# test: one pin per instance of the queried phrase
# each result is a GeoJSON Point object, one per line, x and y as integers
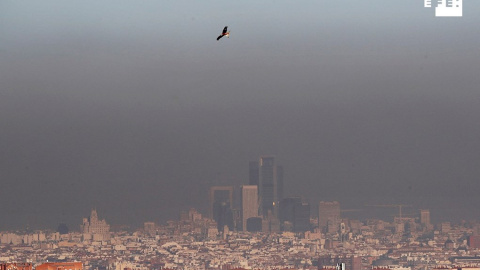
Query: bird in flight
{"type": "Point", "coordinates": [224, 33]}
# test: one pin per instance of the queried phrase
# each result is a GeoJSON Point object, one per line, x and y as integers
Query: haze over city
{"type": "Point", "coordinates": [133, 107]}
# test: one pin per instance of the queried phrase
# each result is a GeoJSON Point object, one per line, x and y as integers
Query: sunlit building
{"type": "Point", "coordinates": [60, 266]}
{"type": "Point", "coordinates": [94, 228]}
{"type": "Point", "coordinates": [249, 197]}
{"type": "Point", "coordinates": [15, 266]}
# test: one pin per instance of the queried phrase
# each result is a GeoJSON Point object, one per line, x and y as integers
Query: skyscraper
{"type": "Point", "coordinates": [302, 217]}
{"type": "Point", "coordinates": [249, 195]}
{"type": "Point", "coordinates": [279, 183]}
{"type": "Point", "coordinates": [220, 206]}
{"type": "Point", "coordinates": [328, 214]}
{"type": "Point", "coordinates": [219, 194]}
{"type": "Point", "coordinates": [286, 211]}
{"type": "Point", "coordinates": [267, 184]}
{"type": "Point", "coordinates": [253, 173]}
{"type": "Point", "coordinates": [294, 214]}
{"type": "Point", "coordinates": [270, 184]}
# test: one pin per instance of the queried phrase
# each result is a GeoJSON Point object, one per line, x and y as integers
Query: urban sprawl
{"type": "Point", "coordinates": [258, 229]}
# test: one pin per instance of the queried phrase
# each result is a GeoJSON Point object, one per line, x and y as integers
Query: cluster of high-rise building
{"type": "Point", "coordinates": [260, 205]}
{"type": "Point", "coordinates": [253, 226]}
{"type": "Point", "coordinates": [193, 242]}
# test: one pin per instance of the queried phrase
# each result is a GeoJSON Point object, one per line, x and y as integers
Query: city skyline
{"type": "Point", "coordinates": [193, 242]}
{"type": "Point", "coordinates": [329, 211]}
{"type": "Point", "coordinates": [295, 216]}
{"type": "Point", "coordinates": [228, 199]}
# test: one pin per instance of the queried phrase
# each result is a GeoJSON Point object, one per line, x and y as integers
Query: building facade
{"type": "Point", "coordinates": [94, 228]}
{"type": "Point", "coordinates": [294, 215]}
{"type": "Point", "coordinates": [220, 206]}
{"type": "Point", "coordinates": [425, 218]}
{"type": "Point", "coordinates": [15, 266]}
{"type": "Point", "coordinates": [328, 215]}
{"type": "Point", "coordinates": [60, 266]}
{"type": "Point", "coordinates": [270, 184]}
{"type": "Point", "coordinates": [253, 173]}
{"type": "Point", "coordinates": [249, 198]}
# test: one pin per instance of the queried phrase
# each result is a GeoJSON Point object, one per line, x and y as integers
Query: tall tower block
{"type": "Point", "coordinates": [249, 209]}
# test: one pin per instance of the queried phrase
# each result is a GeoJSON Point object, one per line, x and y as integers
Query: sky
{"type": "Point", "coordinates": [134, 108]}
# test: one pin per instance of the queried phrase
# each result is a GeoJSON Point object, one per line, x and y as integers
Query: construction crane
{"type": "Point", "coordinates": [400, 206]}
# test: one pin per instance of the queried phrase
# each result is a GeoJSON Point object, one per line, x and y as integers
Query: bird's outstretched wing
{"type": "Point", "coordinates": [224, 30]}
{"type": "Point", "coordinates": [219, 37]}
